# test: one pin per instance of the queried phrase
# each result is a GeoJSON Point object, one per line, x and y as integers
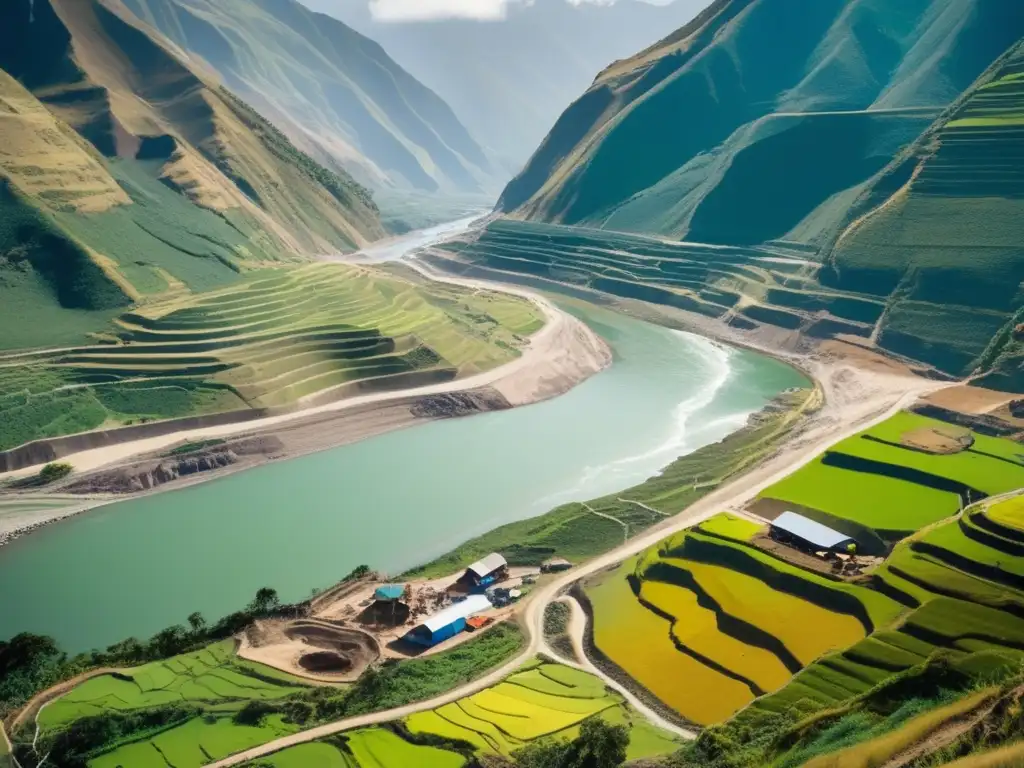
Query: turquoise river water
{"type": "Point", "coordinates": [392, 501]}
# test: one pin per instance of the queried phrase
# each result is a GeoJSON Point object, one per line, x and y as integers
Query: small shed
{"type": "Point", "coordinates": [389, 593]}
{"type": "Point", "coordinates": [449, 622]}
{"type": "Point", "coordinates": [555, 565]}
{"type": "Point", "coordinates": [809, 535]}
{"type": "Point", "coordinates": [485, 571]}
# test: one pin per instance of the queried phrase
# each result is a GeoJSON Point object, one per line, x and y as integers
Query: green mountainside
{"type": "Point", "coordinates": [155, 234]}
{"type": "Point", "coordinates": [335, 93]}
{"type": "Point", "coordinates": [864, 155]}
{"type": "Point", "coordinates": [654, 142]}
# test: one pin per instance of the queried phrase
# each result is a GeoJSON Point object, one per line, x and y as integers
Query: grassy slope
{"type": "Point", "coordinates": [949, 235]}
{"type": "Point", "coordinates": [726, 66]}
{"type": "Point", "coordinates": [826, 124]}
{"type": "Point", "coordinates": [272, 338]}
{"type": "Point", "coordinates": [355, 105]}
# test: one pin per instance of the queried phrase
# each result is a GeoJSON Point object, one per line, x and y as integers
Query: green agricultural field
{"type": "Point", "coordinates": [315, 755]}
{"type": "Point", "coordinates": [731, 527]}
{"type": "Point", "coordinates": [210, 677]}
{"type": "Point", "coordinates": [991, 465]}
{"type": "Point", "coordinates": [887, 505]}
{"type": "Point", "coordinates": [186, 710]}
{"type": "Point", "coordinates": [545, 701]}
{"type": "Point", "coordinates": [1009, 513]}
{"type": "Point", "coordinates": [717, 622]}
{"type": "Point", "coordinates": [276, 337]}
{"type": "Point", "coordinates": [194, 744]}
{"type": "Point", "coordinates": [380, 748]}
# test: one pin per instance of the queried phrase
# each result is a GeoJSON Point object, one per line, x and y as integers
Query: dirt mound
{"type": "Point", "coordinates": [940, 440]}
{"type": "Point", "coordinates": [311, 648]}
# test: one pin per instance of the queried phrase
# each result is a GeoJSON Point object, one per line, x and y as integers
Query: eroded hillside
{"type": "Point", "coordinates": [335, 93]}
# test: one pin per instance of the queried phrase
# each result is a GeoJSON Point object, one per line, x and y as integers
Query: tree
{"type": "Point", "coordinates": [599, 745]}
{"type": "Point", "coordinates": [197, 622]}
{"type": "Point", "coordinates": [265, 601]}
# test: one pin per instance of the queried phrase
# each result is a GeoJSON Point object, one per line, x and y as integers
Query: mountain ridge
{"type": "Point", "coordinates": [335, 93]}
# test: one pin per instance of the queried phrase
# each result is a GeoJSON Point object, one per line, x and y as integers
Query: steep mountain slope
{"type": "Point", "coordinates": [125, 175]}
{"type": "Point", "coordinates": [508, 81]}
{"type": "Point", "coordinates": [753, 98]}
{"type": "Point", "coordinates": [95, 67]}
{"type": "Point", "coordinates": [335, 93]}
{"type": "Point", "coordinates": [939, 235]}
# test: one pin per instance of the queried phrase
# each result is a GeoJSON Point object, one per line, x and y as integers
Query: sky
{"type": "Point", "coordinates": [484, 10]}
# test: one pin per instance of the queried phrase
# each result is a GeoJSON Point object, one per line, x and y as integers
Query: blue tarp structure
{"type": "Point", "coordinates": [449, 622]}
{"type": "Point", "coordinates": [389, 592]}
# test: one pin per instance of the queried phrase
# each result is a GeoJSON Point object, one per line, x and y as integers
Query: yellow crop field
{"type": "Point", "coordinates": [638, 641]}
{"type": "Point", "coordinates": [731, 527]}
{"type": "Point", "coordinates": [697, 629]}
{"type": "Point", "coordinates": [1009, 513]}
{"type": "Point", "coordinates": [806, 629]}
{"type": "Point", "coordinates": [544, 701]}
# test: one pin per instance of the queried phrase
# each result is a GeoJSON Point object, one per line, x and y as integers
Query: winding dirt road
{"type": "Point", "coordinates": [855, 399]}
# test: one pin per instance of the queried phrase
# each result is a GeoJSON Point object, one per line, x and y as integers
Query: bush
{"type": "Point", "coordinates": [55, 471]}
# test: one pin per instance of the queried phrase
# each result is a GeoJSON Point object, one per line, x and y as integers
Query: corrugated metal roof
{"type": "Point", "coordinates": [389, 591]}
{"type": "Point", "coordinates": [469, 606]}
{"type": "Point", "coordinates": [487, 565]}
{"type": "Point", "coordinates": [809, 530]}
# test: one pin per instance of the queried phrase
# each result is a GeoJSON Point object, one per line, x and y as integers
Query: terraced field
{"type": "Point", "coordinates": [965, 601]}
{"type": "Point", "coordinates": [200, 695]}
{"type": "Point", "coordinates": [280, 337]}
{"type": "Point", "coordinates": [543, 701]}
{"type": "Point", "coordinates": [882, 480]}
{"type": "Point", "coordinates": [707, 607]}
{"type": "Point", "coordinates": [742, 285]}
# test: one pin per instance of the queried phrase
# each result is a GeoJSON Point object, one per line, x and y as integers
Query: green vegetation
{"type": "Point", "coordinates": [263, 51]}
{"type": "Point", "coordinates": [55, 471]}
{"type": "Point", "coordinates": [32, 663]}
{"type": "Point", "coordinates": [883, 480]}
{"type": "Point", "coordinates": [539, 711]}
{"type": "Point", "coordinates": [192, 447]}
{"type": "Point", "coordinates": [273, 338]}
{"type": "Point", "coordinates": [725, 616]}
{"type": "Point", "coordinates": [890, 506]}
{"type": "Point", "coordinates": [572, 531]}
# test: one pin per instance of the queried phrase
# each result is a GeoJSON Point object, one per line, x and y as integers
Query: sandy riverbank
{"type": "Point", "coordinates": [559, 356]}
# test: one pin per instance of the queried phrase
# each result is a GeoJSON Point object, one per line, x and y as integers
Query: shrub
{"type": "Point", "coordinates": [55, 471]}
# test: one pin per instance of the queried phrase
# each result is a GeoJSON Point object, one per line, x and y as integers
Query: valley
{"type": "Point", "coordinates": [337, 430]}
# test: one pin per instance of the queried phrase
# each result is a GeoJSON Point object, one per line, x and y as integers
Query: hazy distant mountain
{"type": "Point", "coordinates": [335, 93]}
{"type": "Point", "coordinates": [508, 81]}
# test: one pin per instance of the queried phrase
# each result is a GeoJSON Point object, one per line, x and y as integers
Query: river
{"type": "Point", "coordinates": [392, 501]}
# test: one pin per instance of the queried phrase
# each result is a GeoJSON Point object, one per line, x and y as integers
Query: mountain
{"type": "Point", "coordinates": [508, 81]}
{"type": "Point", "coordinates": [939, 234]}
{"type": "Point", "coordinates": [848, 167]}
{"type": "Point", "coordinates": [126, 173]}
{"type": "Point", "coordinates": [335, 93]}
{"type": "Point", "coordinates": [751, 94]}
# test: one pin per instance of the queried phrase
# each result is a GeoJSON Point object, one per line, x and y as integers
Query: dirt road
{"type": "Point", "coordinates": [855, 400]}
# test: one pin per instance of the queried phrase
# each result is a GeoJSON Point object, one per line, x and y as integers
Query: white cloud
{"type": "Point", "coordinates": [417, 10]}
{"type": "Point", "coordinates": [484, 10]}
